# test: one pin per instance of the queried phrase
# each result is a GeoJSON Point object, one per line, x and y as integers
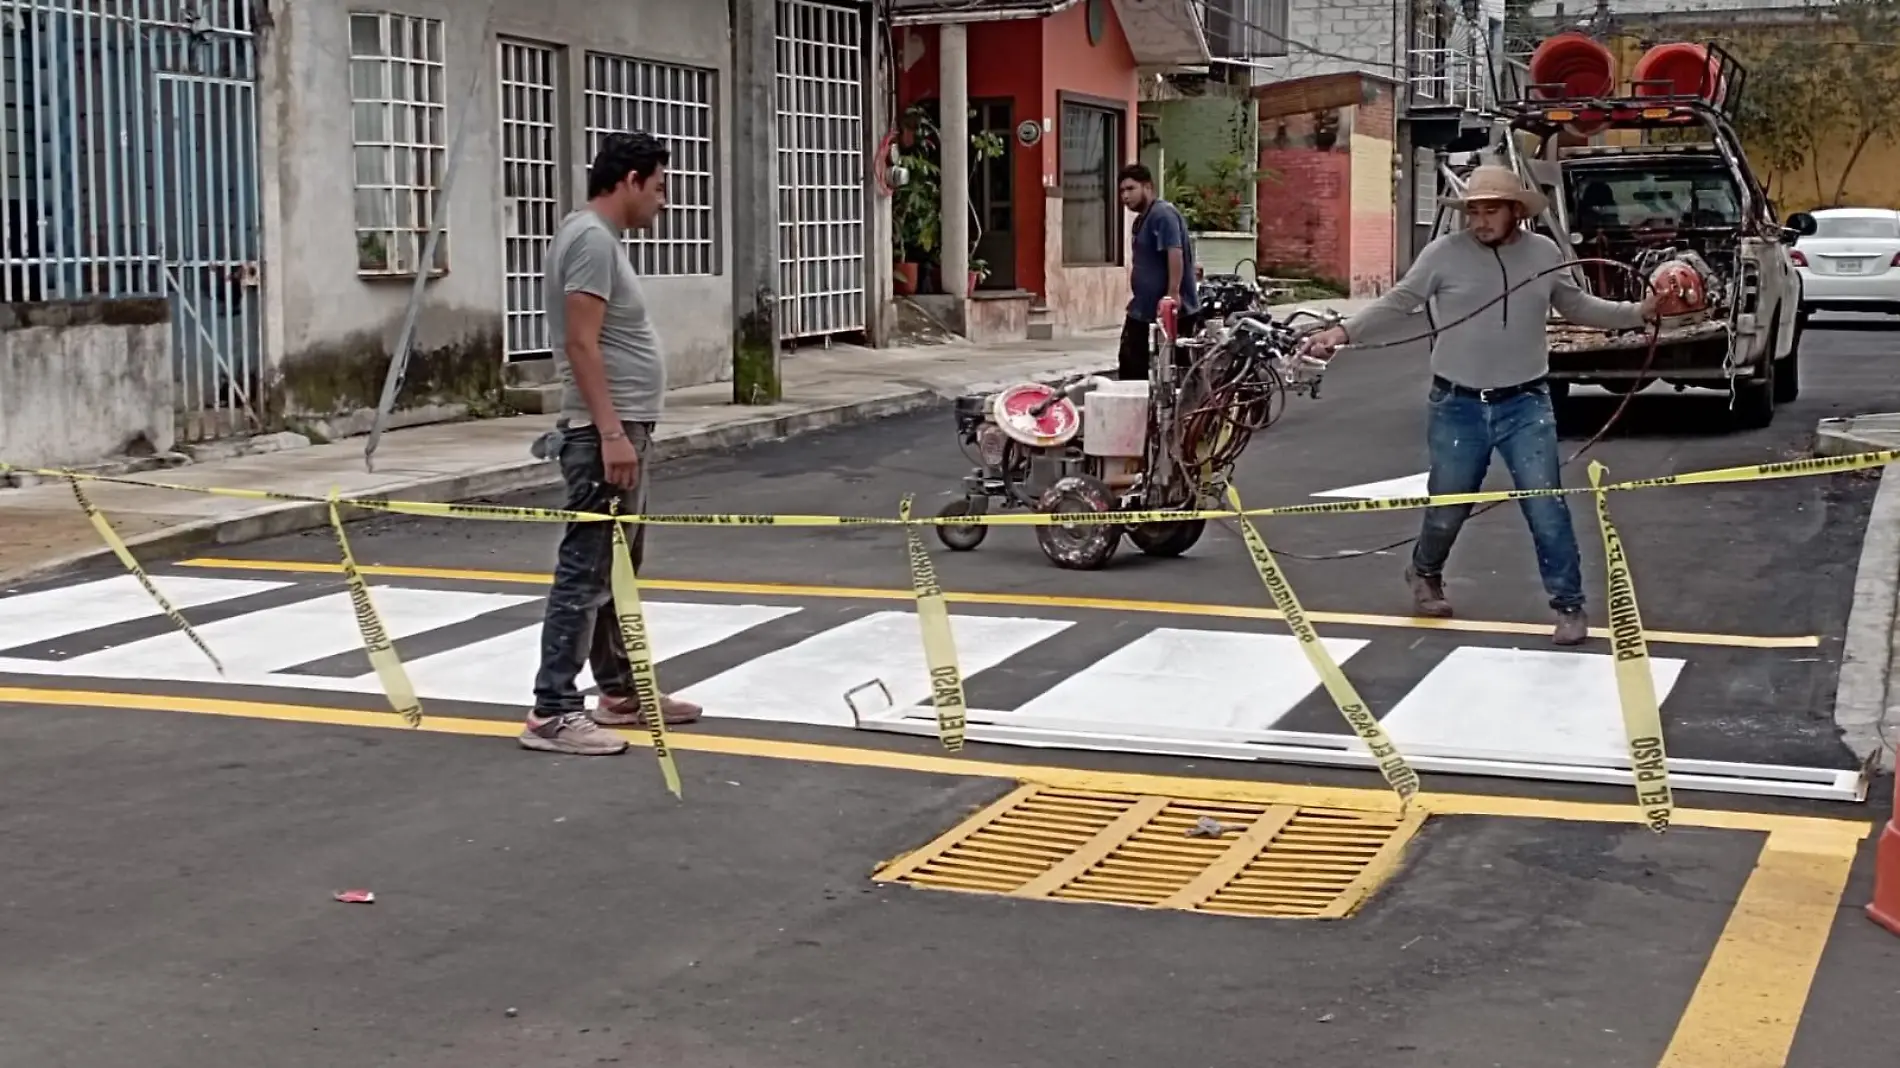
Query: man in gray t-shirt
{"type": "Point", "coordinates": [1492, 285]}
{"type": "Point", "coordinates": [614, 380]}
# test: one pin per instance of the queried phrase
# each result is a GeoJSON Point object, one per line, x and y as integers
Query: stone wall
{"type": "Point", "coordinates": [81, 381]}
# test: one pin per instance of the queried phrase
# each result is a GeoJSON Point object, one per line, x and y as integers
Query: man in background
{"type": "Point", "coordinates": [614, 379]}
{"type": "Point", "coordinates": [1163, 266]}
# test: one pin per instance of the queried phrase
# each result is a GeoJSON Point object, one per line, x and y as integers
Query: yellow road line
{"type": "Point", "coordinates": [1816, 828]}
{"type": "Point", "coordinates": [1754, 989]}
{"type": "Point", "coordinates": [1018, 600]}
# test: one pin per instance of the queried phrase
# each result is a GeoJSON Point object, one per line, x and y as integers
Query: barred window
{"type": "Point", "coordinates": [675, 104]}
{"type": "Point", "coordinates": [401, 138]}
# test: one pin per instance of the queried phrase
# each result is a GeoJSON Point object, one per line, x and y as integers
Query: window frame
{"type": "Point", "coordinates": [1114, 214]}
{"type": "Point", "coordinates": [662, 251]}
{"type": "Point", "coordinates": [424, 102]}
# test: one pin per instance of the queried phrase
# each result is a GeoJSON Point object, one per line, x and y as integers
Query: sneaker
{"type": "Point", "coordinates": [626, 712]}
{"type": "Point", "coordinates": [1573, 627]}
{"type": "Point", "coordinates": [573, 733]}
{"type": "Point", "coordinates": [1428, 595]}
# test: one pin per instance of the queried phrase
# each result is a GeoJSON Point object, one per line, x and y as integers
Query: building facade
{"type": "Point", "coordinates": [282, 173]}
{"type": "Point", "coordinates": [1050, 93]}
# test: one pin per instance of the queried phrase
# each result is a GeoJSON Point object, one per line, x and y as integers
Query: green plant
{"type": "Point", "coordinates": [917, 205]}
{"type": "Point", "coordinates": [1224, 202]}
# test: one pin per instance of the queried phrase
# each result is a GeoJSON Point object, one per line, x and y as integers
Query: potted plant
{"type": "Point", "coordinates": [979, 270]}
{"type": "Point", "coordinates": [917, 205]}
{"type": "Point", "coordinates": [1219, 210]}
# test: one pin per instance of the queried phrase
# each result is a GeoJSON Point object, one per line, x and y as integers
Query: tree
{"type": "Point", "coordinates": [1831, 79]}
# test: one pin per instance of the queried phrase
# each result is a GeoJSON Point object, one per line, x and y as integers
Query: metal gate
{"type": "Point", "coordinates": [129, 129]}
{"type": "Point", "coordinates": [531, 190]}
{"type": "Point", "coordinates": [821, 150]}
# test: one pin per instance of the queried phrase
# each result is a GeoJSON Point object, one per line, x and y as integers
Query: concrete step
{"type": "Point", "coordinates": [1042, 325]}
{"type": "Point", "coordinates": [533, 400]}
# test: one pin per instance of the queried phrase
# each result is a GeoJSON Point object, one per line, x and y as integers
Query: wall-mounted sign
{"type": "Point", "coordinates": [1028, 132]}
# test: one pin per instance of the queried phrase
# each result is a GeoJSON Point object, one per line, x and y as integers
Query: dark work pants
{"type": "Point", "coordinates": [1133, 356]}
{"type": "Point", "coordinates": [580, 627]}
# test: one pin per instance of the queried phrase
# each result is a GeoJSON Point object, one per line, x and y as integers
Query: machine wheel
{"type": "Point", "coordinates": [1167, 539]}
{"type": "Point", "coordinates": [1078, 546]}
{"type": "Point", "coordinates": [962, 537]}
{"type": "Point", "coordinates": [1755, 400]}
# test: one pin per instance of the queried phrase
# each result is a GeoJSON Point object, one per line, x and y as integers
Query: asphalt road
{"type": "Point", "coordinates": [166, 899]}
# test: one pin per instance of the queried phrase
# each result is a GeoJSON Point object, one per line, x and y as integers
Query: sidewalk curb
{"type": "Point", "coordinates": [271, 520]}
{"type": "Point", "coordinates": [1871, 647]}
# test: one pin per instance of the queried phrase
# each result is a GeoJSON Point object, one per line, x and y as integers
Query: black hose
{"type": "Point", "coordinates": [1642, 379]}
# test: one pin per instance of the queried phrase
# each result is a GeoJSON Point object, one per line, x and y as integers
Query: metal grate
{"type": "Point", "coordinates": [531, 189]}
{"type": "Point", "coordinates": [821, 177]}
{"type": "Point", "coordinates": [129, 133]}
{"type": "Point", "coordinates": [400, 108]}
{"type": "Point", "coordinates": [674, 104]}
{"type": "Point", "coordinates": [1221, 857]}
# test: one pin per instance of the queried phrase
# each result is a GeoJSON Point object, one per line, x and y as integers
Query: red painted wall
{"type": "Point", "coordinates": [1028, 62]}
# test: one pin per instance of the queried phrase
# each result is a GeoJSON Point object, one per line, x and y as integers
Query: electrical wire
{"type": "Point", "coordinates": [1642, 379]}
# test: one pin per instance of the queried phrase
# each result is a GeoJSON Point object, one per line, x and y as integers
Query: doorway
{"type": "Point", "coordinates": [993, 195]}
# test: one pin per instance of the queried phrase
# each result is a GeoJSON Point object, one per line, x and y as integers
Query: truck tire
{"type": "Point", "coordinates": [1788, 377]}
{"type": "Point", "coordinates": [1755, 399]}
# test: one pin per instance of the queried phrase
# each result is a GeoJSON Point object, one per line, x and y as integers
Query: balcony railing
{"type": "Point", "coordinates": [1452, 71]}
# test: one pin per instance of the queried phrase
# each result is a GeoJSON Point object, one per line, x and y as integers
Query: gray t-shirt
{"type": "Point", "coordinates": [587, 257]}
{"type": "Point", "coordinates": [1505, 344]}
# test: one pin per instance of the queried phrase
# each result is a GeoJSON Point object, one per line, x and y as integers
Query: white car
{"type": "Point", "coordinates": [1851, 262]}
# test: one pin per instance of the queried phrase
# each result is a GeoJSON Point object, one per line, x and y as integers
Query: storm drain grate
{"type": "Point", "coordinates": [1224, 857]}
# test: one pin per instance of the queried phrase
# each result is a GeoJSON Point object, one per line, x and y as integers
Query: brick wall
{"type": "Point", "coordinates": [1331, 212]}
{"type": "Point", "coordinates": [1302, 215]}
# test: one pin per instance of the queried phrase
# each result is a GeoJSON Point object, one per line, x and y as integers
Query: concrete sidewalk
{"type": "Point", "coordinates": [1867, 700]}
{"type": "Point", "coordinates": [43, 532]}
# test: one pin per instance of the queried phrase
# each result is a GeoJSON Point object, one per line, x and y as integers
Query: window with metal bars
{"type": "Point", "coordinates": [674, 104]}
{"type": "Point", "coordinates": [401, 141]}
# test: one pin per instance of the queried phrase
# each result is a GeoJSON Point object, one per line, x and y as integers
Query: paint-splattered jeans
{"type": "Point", "coordinates": [1462, 433]}
{"type": "Point", "coordinates": [580, 627]}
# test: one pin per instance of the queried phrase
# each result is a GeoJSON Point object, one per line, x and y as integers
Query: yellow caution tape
{"type": "Point", "coordinates": [940, 644]}
{"type": "Point", "coordinates": [124, 553]}
{"type": "Point", "coordinates": [376, 640]}
{"type": "Point", "coordinates": [510, 513]}
{"type": "Point", "coordinates": [1818, 465]}
{"type": "Point", "coordinates": [633, 635]}
{"type": "Point", "coordinates": [1392, 764]}
{"type": "Point", "coordinates": [1635, 686]}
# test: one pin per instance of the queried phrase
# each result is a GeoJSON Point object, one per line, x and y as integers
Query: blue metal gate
{"type": "Point", "coordinates": [129, 130]}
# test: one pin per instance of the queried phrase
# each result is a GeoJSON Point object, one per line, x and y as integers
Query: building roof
{"type": "Point", "coordinates": [1161, 33]}
{"type": "Point", "coordinates": [906, 12]}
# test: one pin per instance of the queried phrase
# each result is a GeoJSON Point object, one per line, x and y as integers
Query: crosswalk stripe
{"type": "Point", "coordinates": [806, 682]}
{"type": "Point", "coordinates": [1227, 680]}
{"type": "Point", "coordinates": [1403, 486]}
{"type": "Point", "coordinates": [256, 644]}
{"type": "Point", "coordinates": [1539, 704]}
{"type": "Point", "coordinates": [501, 669]}
{"type": "Point", "coordinates": [31, 618]}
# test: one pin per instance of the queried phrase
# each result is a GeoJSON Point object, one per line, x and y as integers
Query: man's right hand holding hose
{"type": "Point", "coordinates": [1320, 344]}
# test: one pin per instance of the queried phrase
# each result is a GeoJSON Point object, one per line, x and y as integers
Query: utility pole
{"type": "Point", "coordinates": [754, 185]}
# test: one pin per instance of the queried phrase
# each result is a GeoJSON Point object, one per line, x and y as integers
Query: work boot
{"type": "Point", "coordinates": [626, 712]}
{"type": "Point", "coordinates": [1573, 627]}
{"type": "Point", "coordinates": [1428, 595]}
{"type": "Point", "coordinates": [574, 734]}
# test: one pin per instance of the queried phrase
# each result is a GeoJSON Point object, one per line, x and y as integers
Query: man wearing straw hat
{"type": "Point", "coordinates": [1492, 285]}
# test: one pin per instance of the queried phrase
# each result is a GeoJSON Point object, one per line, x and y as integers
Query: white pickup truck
{"type": "Point", "coordinates": [1672, 178]}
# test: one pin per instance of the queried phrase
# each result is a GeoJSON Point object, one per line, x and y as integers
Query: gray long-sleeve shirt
{"type": "Point", "coordinates": [1503, 345]}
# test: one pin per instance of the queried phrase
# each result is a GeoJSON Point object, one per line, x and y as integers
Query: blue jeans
{"type": "Point", "coordinates": [1522, 428]}
{"type": "Point", "coordinates": [576, 631]}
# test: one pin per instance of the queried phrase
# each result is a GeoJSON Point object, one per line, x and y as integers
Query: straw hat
{"type": "Point", "coordinates": [1492, 183]}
